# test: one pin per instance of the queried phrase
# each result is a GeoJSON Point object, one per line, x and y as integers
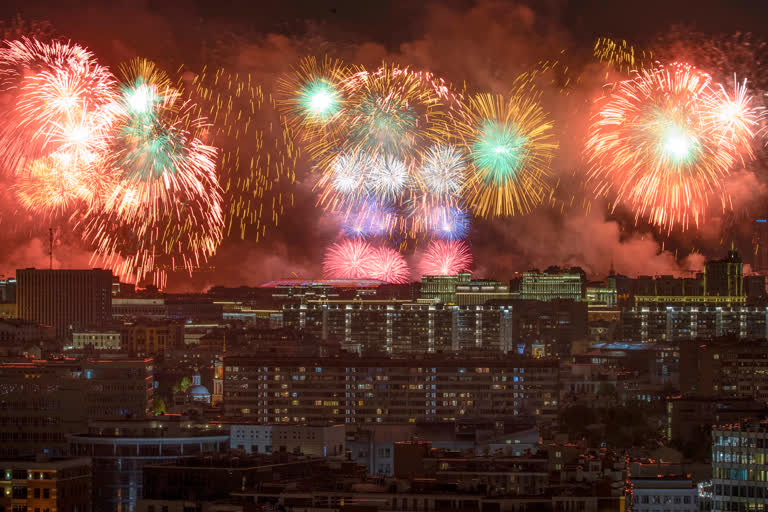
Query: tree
{"type": "Point", "coordinates": [158, 409]}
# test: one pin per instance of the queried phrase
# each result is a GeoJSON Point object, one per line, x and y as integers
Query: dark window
{"type": "Point", "coordinates": [36, 492]}
{"type": "Point", "coordinates": [46, 493]}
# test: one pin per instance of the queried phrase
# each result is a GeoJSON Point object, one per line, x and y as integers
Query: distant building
{"type": "Point", "coordinates": [725, 277]}
{"type": "Point", "coordinates": [314, 440]}
{"type": "Point", "coordinates": [139, 307]}
{"type": "Point", "coordinates": [120, 450]}
{"type": "Point", "coordinates": [8, 290]}
{"type": "Point", "coordinates": [21, 332]}
{"type": "Point", "coordinates": [721, 368]}
{"type": "Point", "coordinates": [55, 483]}
{"type": "Point", "coordinates": [477, 292]}
{"type": "Point", "coordinates": [739, 466]}
{"type": "Point", "coordinates": [43, 401]}
{"type": "Point", "coordinates": [66, 299]}
{"type": "Point", "coordinates": [553, 283]}
{"type": "Point", "coordinates": [147, 337]}
{"type": "Point", "coordinates": [754, 288]}
{"type": "Point", "coordinates": [442, 289]}
{"type": "Point", "coordinates": [97, 339]}
{"type": "Point", "coordinates": [273, 388]}
{"type": "Point", "coordinates": [760, 245]}
{"type": "Point", "coordinates": [662, 493]}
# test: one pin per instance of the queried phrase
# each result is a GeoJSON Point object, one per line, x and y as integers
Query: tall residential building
{"type": "Point", "coordinates": [725, 277]}
{"type": "Point", "coordinates": [41, 402]}
{"type": "Point", "coordinates": [665, 322]}
{"type": "Point", "coordinates": [726, 368]}
{"type": "Point", "coordinates": [273, 388]}
{"type": "Point", "coordinates": [402, 327]}
{"type": "Point", "coordinates": [66, 299]}
{"type": "Point", "coordinates": [52, 484]}
{"type": "Point", "coordinates": [553, 283]}
{"type": "Point", "coordinates": [740, 466]}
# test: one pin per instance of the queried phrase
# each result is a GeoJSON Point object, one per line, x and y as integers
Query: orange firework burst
{"type": "Point", "coordinates": [662, 143]}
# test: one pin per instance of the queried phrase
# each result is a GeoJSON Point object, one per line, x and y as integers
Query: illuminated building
{"type": "Point", "coordinates": [553, 283]}
{"type": "Point", "coordinates": [66, 299]}
{"type": "Point", "coordinates": [478, 292]}
{"type": "Point", "coordinates": [663, 493]}
{"type": "Point", "coordinates": [739, 466]}
{"type": "Point", "coordinates": [139, 308]}
{"type": "Point", "coordinates": [98, 340]}
{"type": "Point", "coordinates": [401, 327]}
{"type": "Point", "coordinates": [313, 440]}
{"type": "Point", "coordinates": [725, 278]}
{"type": "Point", "coordinates": [146, 337]}
{"type": "Point", "coordinates": [120, 450]}
{"type": "Point", "coordinates": [43, 401]}
{"type": "Point", "coordinates": [271, 388]}
{"type": "Point", "coordinates": [8, 290]}
{"type": "Point", "coordinates": [725, 368]}
{"type": "Point", "coordinates": [45, 484]}
{"type": "Point", "coordinates": [442, 289]}
{"type": "Point", "coordinates": [698, 317]}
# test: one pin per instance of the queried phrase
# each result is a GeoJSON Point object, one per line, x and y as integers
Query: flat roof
{"type": "Point", "coordinates": [333, 283]}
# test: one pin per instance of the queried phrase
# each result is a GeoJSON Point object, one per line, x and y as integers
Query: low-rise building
{"type": "Point", "coordinates": [97, 340]}
{"type": "Point", "coordinates": [40, 484]}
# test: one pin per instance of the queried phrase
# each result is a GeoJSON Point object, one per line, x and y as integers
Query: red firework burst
{"type": "Point", "coordinates": [349, 259]}
{"type": "Point", "coordinates": [445, 258]}
{"type": "Point", "coordinates": [390, 266]}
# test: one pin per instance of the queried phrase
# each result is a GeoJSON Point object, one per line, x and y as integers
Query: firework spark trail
{"type": "Point", "coordinates": [621, 55]}
{"type": "Point", "coordinates": [166, 206]}
{"type": "Point", "coordinates": [510, 142]}
{"type": "Point", "coordinates": [662, 145]}
{"type": "Point", "coordinates": [445, 258]}
{"type": "Point", "coordinates": [259, 154]}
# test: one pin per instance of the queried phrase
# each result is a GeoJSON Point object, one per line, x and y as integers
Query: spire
{"type": "Point", "coordinates": [612, 271]}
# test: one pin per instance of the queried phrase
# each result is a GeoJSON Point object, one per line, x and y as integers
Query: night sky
{"type": "Point", "coordinates": [483, 44]}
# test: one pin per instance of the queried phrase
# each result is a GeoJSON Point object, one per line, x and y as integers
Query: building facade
{"type": "Point", "coordinates": [272, 389]}
{"type": "Point", "coordinates": [52, 484]}
{"type": "Point", "coordinates": [120, 450]}
{"type": "Point", "coordinates": [43, 401]}
{"type": "Point", "coordinates": [97, 339]}
{"type": "Point", "coordinates": [548, 285]}
{"type": "Point", "coordinates": [66, 299]}
{"type": "Point", "coordinates": [740, 467]}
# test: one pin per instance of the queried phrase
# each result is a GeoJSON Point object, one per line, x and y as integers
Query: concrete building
{"type": "Point", "coordinates": [313, 440]}
{"type": "Point", "coordinates": [673, 494]}
{"type": "Point", "coordinates": [274, 388]}
{"type": "Point", "coordinates": [8, 290]}
{"type": "Point", "coordinates": [553, 283]}
{"type": "Point", "coordinates": [43, 483]}
{"type": "Point", "coordinates": [478, 292]}
{"type": "Point", "coordinates": [739, 466]}
{"type": "Point", "coordinates": [97, 339]}
{"type": "Point", "coordinates": [43, 401]}
{"type": "Point", "coordinates": [139, 307]}
{"type": "Point", "coordinates": [151, 337]}
{"type": "Point", "coordinates": [68, 300]}
{"type": "Point", "coordinates": [21, 332]}
{"type": "Point", "coordinates": [120, 450]}
{"type": "Point", "coordinates": [442, 289]}
{"type": "Point", "coordinates": [725, 278]}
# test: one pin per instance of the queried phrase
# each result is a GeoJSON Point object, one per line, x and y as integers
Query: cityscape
{"type": "Point", "coordinates": [332, 256]}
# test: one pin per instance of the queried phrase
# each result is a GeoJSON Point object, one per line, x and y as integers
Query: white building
{"type": "Point", "coordinates": [99, 340]}
{"type": "Point", "coordinates": [313, 440]}
{"type": "Point", "coordinates": [251, 438]}
{"type": "Point", "coordinates": [663, 493]}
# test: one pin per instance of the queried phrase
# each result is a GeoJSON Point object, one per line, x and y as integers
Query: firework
{"type": "Point", "coordinates": [258, 150]}
{"type": "Point", "coordinates": [664, 141]}
{"type": "Point", "coordinates": [313, 96]}
{"type": "Point", "coordinates": [510, 143]}
{"type": "Point", "coordinates": [443, 172]}
{"type": "Point", "coordinates": [389, 265]}
{"type": "Point", "coordinates": [388, 177]}
{"type": "Point", "coordinates": [166, 206]}
{"type": "Point", "coordinates": [368, 218]}
{"type": "Point", "coordinates": [442, 258]}
{"type": "Point", "coordinates": [621, 55]}
{"type": "Point", "coordinates": [349, 259]}
{"type": "Point", "coordinates": [448, 222]}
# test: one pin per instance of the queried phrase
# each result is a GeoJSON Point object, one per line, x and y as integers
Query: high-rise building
{"type": "Point", "coordinates": [401, 327]}
{"type": "Point", "coordinates": [725, 277]}
{"type": "Point", "coordinates": [740, 466]}
{"type": "Point", "coordinates": [553, 283]}
{"type": "Point", "coordinates": [43, 401]}
{"type": "Point", "coordinates": [8, 290]}
{"type": "Point", "coordinates": [66, 299]}
{"type": "Point", "coordinates": [45, 483]}
{"type": "Point", "coordinates": [273, 388]}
